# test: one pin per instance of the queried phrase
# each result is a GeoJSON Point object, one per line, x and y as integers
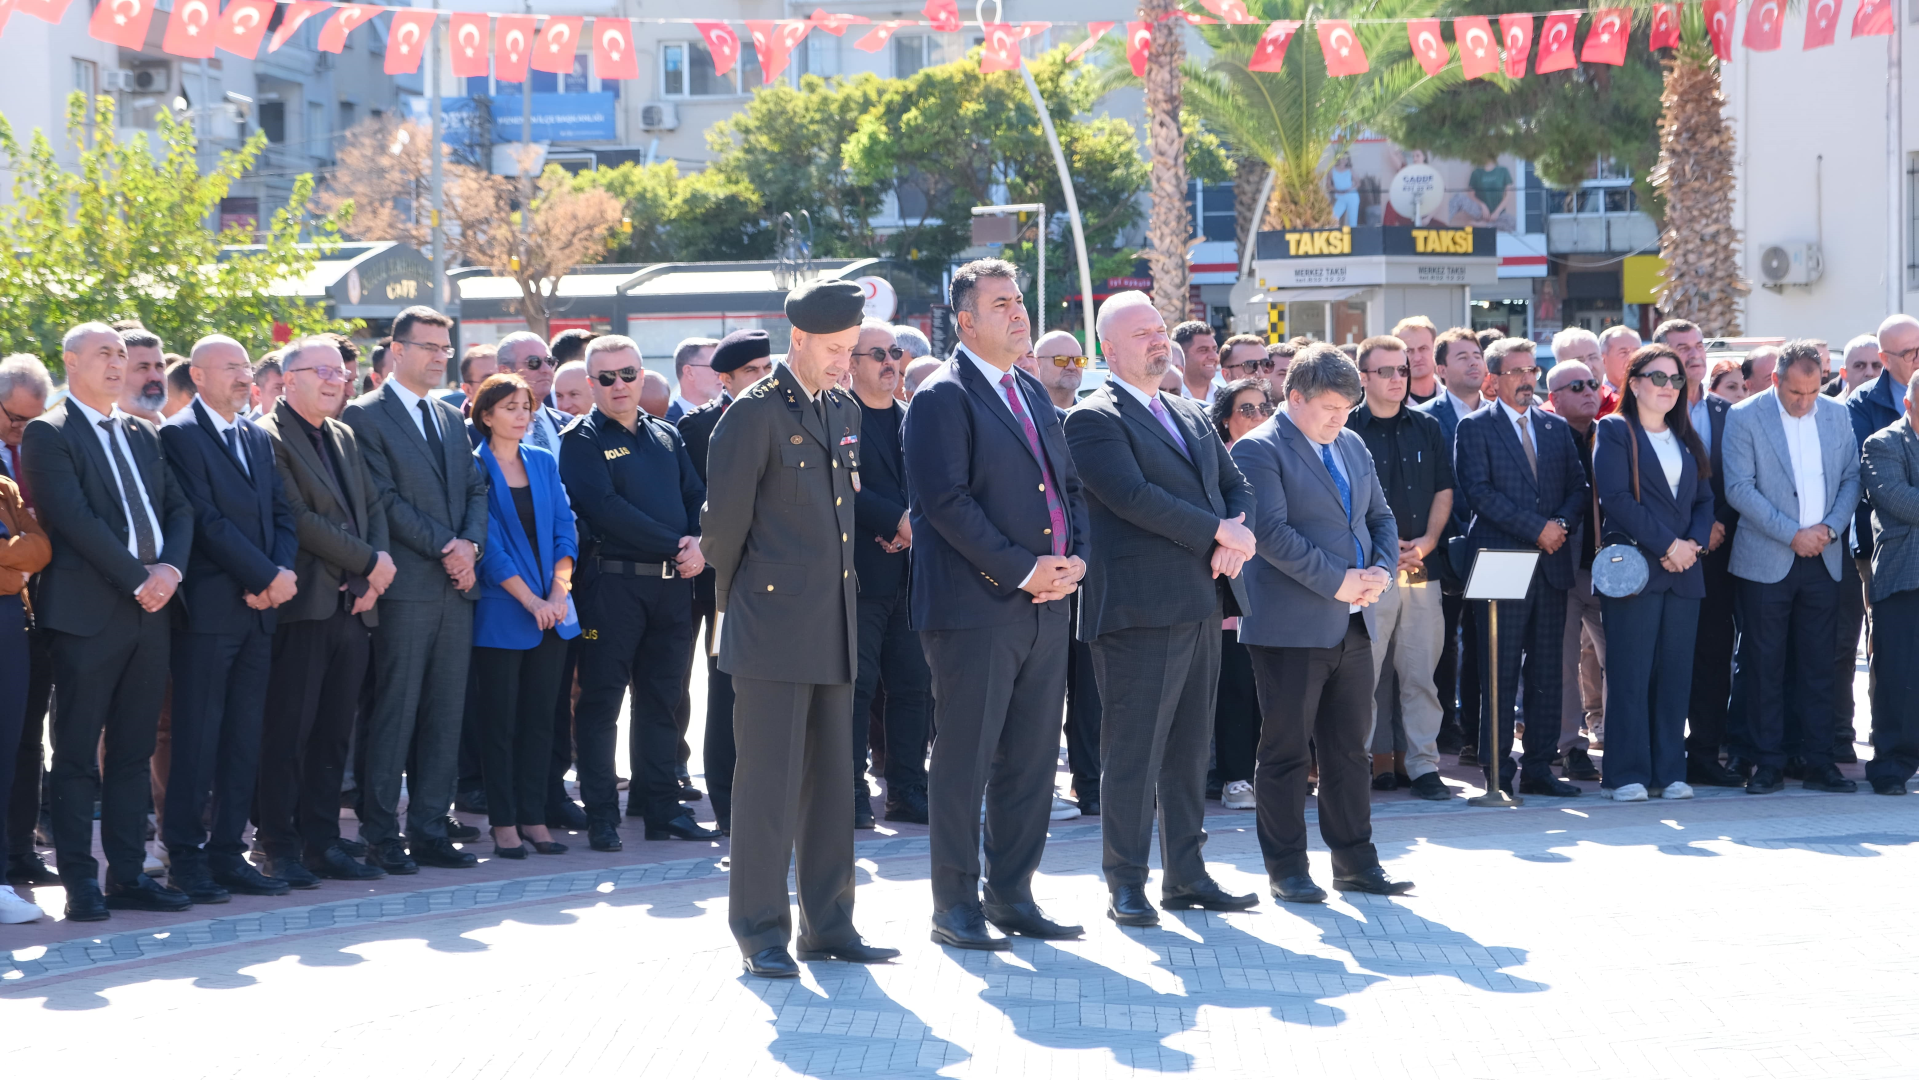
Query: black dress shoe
{"type": "Point", "coordinates": [963, 926]}
{"type": "Point", "coordinates": [459, 831]}
{"type": "Point", "coordinates": [1297, 889]}
{"type": "Point", "coordinates": [1741, 767]}
{"type": "Point", "coordinates": [84, 902]}
{"type": "Point", "coordinates": [1887, 785]}
{"type": "Point", "coordinates": [1128, 906]}
{"type": "Point", "coordinates": [682, 828]}
{"type": "Point", "coordinates": [1206, 893]}
{"type": "Point", "coordinates": [335, 863]}
{"type": "Point", "coordinates": [1845, 754]}
{"type": "Point", "coordinates": [391, 856]}
{"type": "Point", "coordinates": [1385, 782]}
{"type": "Point", "coordinates": [1373, 879]}
{"type": "Point", "coordinates": [1765, 780]}
{"type": "Point", "coordinates": [290, 870]}
{"type": "Point", "coordinates": [189, 874]}
{"type": "Point", "coordinates": [1707, 772]}
{"type": "Point", "coordinates": [567, 815]}
{"type": "Point", "coordinates": [1548, 784]}
{"type": "Point", "coordinates": [509, 852]}
{"type": "Point", "coordinates": [1087, 802]}
{"type": "Point", "coordinates": [1027, 920]}
{"type": "Point", "coordinates": [354, 848]}
{"type": "Point", "coordinates": [1579, 766]}
{"type": "Point", "coordinates": [238, 875]}
{"type": "Point", "coordinates": [30, 869]}
{"type": "Point", "coordinates": [689, 793]}
{"type": "Point", "coordinates": [145, 894]}
{"type": "Point", "coordinates": [1796, 768]}
{"type": "Point", "coordinates": [773, 963]}
{"type": "Point", "coordinates": [853, 952]}
{"type": "Point", "coordinates": [603, 836]}
{"type": "Point", "coordinates": [862, 810]}
{"type": "Point", "coordinates": [1469, 755]}
{"type": "Point", "coordinates": [548, 847]}
{"type": "Point", "coordinates": [1831, 779]}
{"type": "Point", "coordinates": [908, 804]}
{"type": "Point", "coordinates": [1431, 786]}
{"type": "Point", "coordinates": [471, 802]}
{"type": "Point", "coordinates": [443, 854]}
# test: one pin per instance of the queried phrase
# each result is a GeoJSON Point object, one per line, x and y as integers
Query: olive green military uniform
{"type": "Point", "coordinates": [781, 474]}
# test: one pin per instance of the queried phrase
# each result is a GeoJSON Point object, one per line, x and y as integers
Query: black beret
{"type": "Point", "coordinates": [740, 348]}
{"type": "Point", "coordinates": [827, 306]}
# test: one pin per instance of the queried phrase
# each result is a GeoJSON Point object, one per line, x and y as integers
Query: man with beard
{"type": "Point", "coordinates": [145, 394]}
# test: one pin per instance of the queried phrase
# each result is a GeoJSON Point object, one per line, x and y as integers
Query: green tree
{"type": "Point", "coordinates": [124, 236]}
{"type": "Point", "coordinates": [674, 216]}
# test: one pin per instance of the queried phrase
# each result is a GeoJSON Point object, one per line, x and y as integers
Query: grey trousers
{"type": "Point", "coordinates": [997, 694]}
{"type": "Point", "coordinates": [1582, 614]}
{"type": "Point", "coordinates": [790, 796]}
{"type": "Point", "coordinates": [420, 657]}
{"type": "Point", "coordinates": [1158, 685]}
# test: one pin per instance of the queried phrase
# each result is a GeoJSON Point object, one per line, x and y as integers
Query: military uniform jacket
{"type": "Point", "coordinates": [777, 530]}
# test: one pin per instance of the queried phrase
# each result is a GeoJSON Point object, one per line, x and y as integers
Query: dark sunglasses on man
{"type": "Point", "coordinates": [1255, 409]}
{"type": "Point", "coordinates": [1267, 365]}
{"type": "Point", "coordinates": [626, 375]}
{"type": "Point", "coordinates": [1071, 361]}
{"type": "Point", "coordinates": [1389, 371]}
{"type": "Point", "coordinates": [1579, 386]}
{"type": "Point", "coordinates": [535, 363]}
{"type": "Point", "coordinates": [878, 355]}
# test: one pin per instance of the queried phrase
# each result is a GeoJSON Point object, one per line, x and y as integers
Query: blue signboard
{"type": "Point", "coordinates": [579, 117]}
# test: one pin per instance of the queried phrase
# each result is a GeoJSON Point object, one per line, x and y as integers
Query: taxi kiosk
{"type": "Point", "coordinates": [1346, 284]}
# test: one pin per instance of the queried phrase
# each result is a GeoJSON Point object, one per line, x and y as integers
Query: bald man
{"type": "Point", "coordinates": [656, 394]}
{"type": "Point", "coordinates": [1060, 364]}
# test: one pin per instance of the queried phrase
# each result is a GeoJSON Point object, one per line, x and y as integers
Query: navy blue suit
{"type": "Point", "coordinates": [243, 538]}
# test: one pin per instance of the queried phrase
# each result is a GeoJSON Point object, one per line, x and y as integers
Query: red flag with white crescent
{"type": "Point", "coordinates": [722, 42]}
{"type": "Point", "coordinates": [1516, 34]}
{"type": "Point", "coordinates": [1270, 53]}
{"type": "Point", "coordinates": [122, 22]}
{"type": "Point", "coordinates": [876, 38]}
{"type": "Point", "coordinates": [1031, 29]}
{"type": "Point", "coordinates": [1606, 41]}
{"type": "Point", "coordinates": [613, 55]}
{"type": "Point", "coordinates": [1094, 31]}
{"type": "Point", "coordinates": [1344, 56]}
{"type": "Point", "coordinates": [1719, 19]}
{"type": "Point", "coordinates": [1873, 18]}
{"type": "Point", "coordinates": [297, 14]}
{"type": "Point", "coordinates": [1139, 39]}
{"type": "Point", "coordinates": [1429, 45]}
{"type": "Point", "coordinates": [466, 41]}
{"type": "Point", "coordinates": [1230, 11]}
{"type": "Point", "coordinates": [559, 39]}
{"type": "Point", "coordinates": [1478, 49]}
{"type": "Point", "coordinates": [345, 19]}
{"type": "Point", "coordinates": [943, 14]}
{"type": "Point", "coordinates": [1763, 25]}
{"type": "Point", "coordinates": [775, 42]}
{"type": "Point", "coordinates": [512, 47]}
{"type": "Point", "coordinates": [1822, 21]}
{"type": "Point", "coordinates": [1000, 50]}
{"type": "Point", "coordinates": [51, 11]}
{"type": "Point", "coordinates": [190, 29]}
{"type": "Point", "coordinates": [834, 24]}
{"type": "Point", "coordinates": [242, 25]}
{"type": "Point", "coordinates": [1556, 42]}
{"type": "Point", "coordinates": [407, 39]}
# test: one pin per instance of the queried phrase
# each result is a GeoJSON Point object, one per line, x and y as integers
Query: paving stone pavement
{"type": "Point", "coordinates": [1723, 936]}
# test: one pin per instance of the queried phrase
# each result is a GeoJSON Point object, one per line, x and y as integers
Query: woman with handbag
{"type": "Point", "coordinates": [1650, 475]}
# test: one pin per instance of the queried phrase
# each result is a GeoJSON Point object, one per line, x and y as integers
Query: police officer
{"type": "Point", "coordinates": [637, 496]}
{"type": "Point", "coordinates": [778, 528]}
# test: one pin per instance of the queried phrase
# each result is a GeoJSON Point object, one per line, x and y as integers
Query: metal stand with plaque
{"type": "Point", "coordinates": [1496, 576]}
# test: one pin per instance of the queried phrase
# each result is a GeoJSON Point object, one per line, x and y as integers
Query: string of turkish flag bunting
{"type": "Point", "coordinates": [196, 28]}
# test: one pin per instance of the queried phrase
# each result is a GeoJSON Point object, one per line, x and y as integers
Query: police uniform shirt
{"type": "Point", "coordinates": [636, 490]}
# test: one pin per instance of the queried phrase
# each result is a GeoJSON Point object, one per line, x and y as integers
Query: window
{"type": "Point", "coordinates": [820, 56]}
{"type": "Point", "coordinates": [1912, 221]}
{"type": "Point", "coordinates": [686, 70]}
{"type": "Point", "coordinates": [545, 82]}
{"type": "Point", "coordinates": [273, 121]}
{"type": "Point", "coordinates": [86, 76]}
{"type": "Point", "coordinates": [319, 139]}
{"type": "Point", "coordinates": [347, 114]}
{"type": "Point", "coordinates": [911, 53]}
{"type": "Point", "coordinates": [574, 82]}
{"type": "Point", "coordinates": [1214, 215]}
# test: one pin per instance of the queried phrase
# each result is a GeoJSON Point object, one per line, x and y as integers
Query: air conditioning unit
{"type": "Point", "coordinates": [660, 116]}
{"type": "Point", "coordinates": [117, 80]}
{"type": "Point", "coordinates": [1791, 264]}
{"type": "Point", "coordinates": [151, 78]}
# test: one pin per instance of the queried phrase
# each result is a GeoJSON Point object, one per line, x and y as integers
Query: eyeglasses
{"type": "Point", "coordinates": [1579, 386]}
{"type": "Point", "coordinates": [1071, 361]}
{"type": "Point", "coordinates": [1267, 364]}
{"type": "Point", "coordinates": [1662, 379]}
{"type": "Point", "coordinates": [1529, 372]}
{"type": "Point", "coordinates": [879, 355]}
{"type": "Point", "coordinates": [1254, 410]}
{"type": "Point", "coordinates": [1388, 371]}
{"type": "Point", "coordinates": [626, 374]}
{"type": "Point", "coordinates": [1906, 355]}
{"type": "Point", "coordinates": [443, 350]}
{"type": "Point", "coordinates": [326, 374]}
{"type": "Point", "coordinates": [14, 416]}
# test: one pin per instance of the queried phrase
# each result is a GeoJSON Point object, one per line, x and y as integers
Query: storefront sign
{"type": "Point", "coordinates": [1377, 240]}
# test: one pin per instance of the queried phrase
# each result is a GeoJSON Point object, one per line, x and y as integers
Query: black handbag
{"type": "Point", "coordinates": [1620, 568]}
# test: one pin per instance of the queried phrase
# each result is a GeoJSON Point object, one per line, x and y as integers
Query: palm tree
{"type": "Point", "coordinates": [1695, 174]}
{"type": "Point", "coordinates": [1170, 227]}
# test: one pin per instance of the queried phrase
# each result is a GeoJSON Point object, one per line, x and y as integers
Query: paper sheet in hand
{"type": "Point", "coordinates": [1501, 575]}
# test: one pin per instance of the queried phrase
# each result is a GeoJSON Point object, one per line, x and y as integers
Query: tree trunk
{"type": "Point", "coordinates": [533, 307]}
{"type": "Point", "coordinates": [1249, 175]}
{"type": "Point", "coordinates": [1171, 226]}
{"type": "Point", "coordinates": [1695, 173]}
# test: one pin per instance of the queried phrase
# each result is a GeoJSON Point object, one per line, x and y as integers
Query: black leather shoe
{"type": "Point", "coordinates": [853, 952]}
{"type": "Point", "coordinates": [460, 832]}
{"type": "Point", "coordinates": [30, 869]}
{"type": "Point", "coordinates": [689, 793]}
{"type": "Point", "coordinates": [443, 854]}
{"type": "Point", "coordinates": [1831, 779]}
{"type": "Point", "coordinates": [354, 848]}
{"type": "Point", "coordinates": [1740, 767]}
{"type": "Point", "coordinates": [567, 815]}
{"type": "Point", "coordinates": [471, 802]}
{"type": "Point", "coordinates": [1887, 785]}
{"type": "Point", "coordinates": [1579, 766]}
{"type": "Point", "coordinates": [773, 963]}
{"type": "Point", "coordinates": [1206, 893]}
{"type": "Point", "coordinates": [235, 874]}
{"type": "Point", "coordinates": [391, 856]}
{"type": "Point", "coordinates": [909, 805]}
{"type": "Point", "coordinates": [1128, 906]}
{"type": "Point", "coordinates": [683, 828]}
{"type": "Point", "coordinates": [1373, 879]}
{"type": "Point", "coordinates": [1765, 780]}
{"type": "Point", "coordinates": [963, 926]}
{"type": "Point", "coordinates": [603, 836]}
{"type": "Point", "coordinates": [862, 810]}
{"type": "Point", "coordinates": [188, 873]}
{"type": "Point", "coordinates": [1796, 768]}
{"type": "Point", "coordinates": [84, 902]}
{"type": "Point", "coordinates": [1385, 782]}
{"type": "Point", "coordinates": [335, 863]}
{"type": "Point", "coordinates": [1431, 786]}
{"type": "Point", "coordinates": [1845, 753]}
{"type": "Point", "coordinates": [1707, 772]}
{"type": "Point", "coordinates": [1297, 889]}
{"type": "Point", "coordinates": [1548, 784]}
{"type": "Point", "coordinates": [1027, 920]}
{"type": "Point", "coordinates": [1088, 804]}
{"type": "Point", "coordinates": [145, 894]}
{"type": "Point", "coordinates": [290, 870]}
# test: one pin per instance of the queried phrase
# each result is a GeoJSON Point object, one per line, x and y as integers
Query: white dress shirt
{"type": "Point", "coordinates": [542, 424]}
{"type": "Point", "coordinates": [412, 402]}
{"type": "Point", "coordinates": [220, 426]}
{"type": "Point", "coordinates": [1141, 396]}
{"type": "Point", "coordinates": [1461, 410]}
{"type": "Point", "coordinates": [93, 418]}
{"type": "Point", "coordinates": [1808, 464]}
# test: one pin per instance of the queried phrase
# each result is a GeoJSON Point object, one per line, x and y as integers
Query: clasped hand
{"type": "Point", "coordinates": [458, 557]}
{"type": "Point", "coordinates": [1680, 556]}
{"type": "Point", "coordinates": [1235, 545]}
{"type": "Point", "coordinates": [690, 560]}
{"type": "Point", "coordinates": [1364, 587]}
{"type": "Point", "coordinates": [158, 588]}
{"type": "Point", "coordinates": [279, 591]}
{"type": "Point", "coordinates": [1810, 541]}
{"type": "Point", "coordinates": [1055, 577]}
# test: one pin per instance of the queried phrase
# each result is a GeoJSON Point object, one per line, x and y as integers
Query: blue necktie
{"type": "Point", "coordinates": [1345, 499]}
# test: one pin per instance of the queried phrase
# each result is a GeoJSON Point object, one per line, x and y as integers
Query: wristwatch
{"type": "Point", "coordinates": [1831, 536]}
{"type": "Point", "coordinates": [1561, 522]}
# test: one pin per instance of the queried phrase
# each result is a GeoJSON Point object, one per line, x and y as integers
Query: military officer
{"type": "Point", "coordinates": [777, 529]}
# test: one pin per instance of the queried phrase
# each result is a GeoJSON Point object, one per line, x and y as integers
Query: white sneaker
{"type": "Point", "coordinates": [1629, 793]}
{"type": "Point", "coordinates": [1063, 810]}
{"type": "Point", "coordinates": [1678, 789]}
{"type": "Point", "coordinates": [1238, 795]}
{"type": "Point", "coordinates": [13, 909]}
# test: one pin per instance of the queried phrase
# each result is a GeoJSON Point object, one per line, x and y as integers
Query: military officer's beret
{"type": "Point", "coordinates": [826, 306]}
{"type": "Point", "coordinates": [740, 348]}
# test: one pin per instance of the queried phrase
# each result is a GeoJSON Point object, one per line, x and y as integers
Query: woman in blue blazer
{"type": "Point", "coordinates": [1667, 512]}
{"type": "Point", "coordinates": [523, 617]}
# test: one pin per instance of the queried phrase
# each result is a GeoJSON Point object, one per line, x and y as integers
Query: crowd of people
{"type": "Point", "coordinates": [239, 592]}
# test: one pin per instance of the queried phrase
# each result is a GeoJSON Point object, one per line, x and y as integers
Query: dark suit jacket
{"type": "Point", "coordinates": [979, 513]}
{"type": "Point", "coordinates": [333, 548]}
{"type": "Point", "coordinates": [78, 501]}
{"type": "Point", "coordinates": [696, 430]}
{"type": "Point", "coordinates": [427, 503]}
{"type": "Point", "coordinates": [1441, 409]}
{"type": "Point", "coordinates": [1891, 475]}
{"type": "Point", "coordinates": [1658, 516]}
{"type": "Point", "coordinates": [1154, 511]}
{"type": "Point", "coordinates": [243, 530]}
{"type": "Point", "coordinates": [877, 508]}
{"type": "Point", "coordinates": [1872, 409]}
{"type": "Point", "coordinates": [1722, 510]}
{"type": "Point", "coordinates": [1509, 506]}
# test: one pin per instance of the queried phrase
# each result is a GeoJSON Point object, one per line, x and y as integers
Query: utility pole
{"type": "Point", "coordinates": [1072, 209]}
{"type": "Point", "coordinates": [439, 188]}
{"type": "Point", "coordinates": [526, 154]}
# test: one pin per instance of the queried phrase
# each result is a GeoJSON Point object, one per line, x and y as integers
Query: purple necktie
{"type": "Point", "coordinates": [1054, 508]}
{"type": "Point", "coordinates": [1165, 421]}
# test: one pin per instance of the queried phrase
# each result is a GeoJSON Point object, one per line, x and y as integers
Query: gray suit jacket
{"type": "Point", "coordinates": [1891, 472]}
{"type": "Point", "coordinates": [1759, 484]}
{"type": "Point", "coordinates": [332, 549]}
{"type": "Point", "coordinates": [426, 503]}
{"type": "Point", "coordinates": [1306, 536]}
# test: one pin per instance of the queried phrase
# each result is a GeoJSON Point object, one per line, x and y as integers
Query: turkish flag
{"type": "Point", "coordinates": [1822, 20]}
{"type": "Point", "coordinates": [1429, 45]}
{"type": "Point", "coordinates": [408, 37]}
{"type": "Point", "coordinates": [297, 14]}
{"type": "Point", "coordinates": [1665, 26]}
{"type": "Point", "coordinates": [1094, 31]}
{"type": "Point", "coordinates": [1139, 39]}
{"type": "Point", "coordinates": [466, 38]}
{"type": "Point", "coordinates": [1478, 51]}
{"type": "Point", "coordinates": [1000, 51]}
{"type": "Point", "coordinates": [1719, 19]}
{"type": "Point", "coordinates": [1031, 29]}
{"type": "Point", "coordinates": [943, 14]}
{"type": "Point", "coordinates": [512, 47]}
{"type": "Point", "coordinates": [122, 22]}
{"type": "Point", "coordinates": [876, 38]}
{"type": "Point", "coordinates": [1873, 18]}
{"type": "Point", "coordinates": [1763, 24]}
{"type": "Point", "coordinates": [189, 30]}
{"type": "Point", "coordinates": [1517, 32]}
{"type": "Point", "coordinates": [242, 25]}
{"type": "Point", "coordinates": [1270, 53]}
{"type": "Point", "coordinates": [1556, 42]}
{"type": "Point", "coordinates": [345, 18]}
{"type": "Point", "coordinates": [613, 55]}
{"type": "Point", "coordinates": [775, 42]}
{"type": "Point", "coordinates": [559, 40]}
{"type": "Point", "coordinates": [834, 24]}
{"type": "Point", "coordinates": [722, 42]}
{"type": "Point", "coordinates": [1606, 41]}
{"type": "Point", "coordinates": [51, 11]}
{"type": "Point", "coordinates": [1230, 11]}
{"type": "Point", "coordinates": [1341, 47]}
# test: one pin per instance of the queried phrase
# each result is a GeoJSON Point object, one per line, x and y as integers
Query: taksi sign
{"type": "Point", "coordinates": [1443, 241]}
{"type": "Point", "coordinates": [1319, 242]}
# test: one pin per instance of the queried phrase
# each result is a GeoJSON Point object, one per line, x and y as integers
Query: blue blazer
{"type": "Point", "coordinates": [499, 622]}
{"type": "Point", "coordinates": [243, 528]}
{"type": "Point", "coordinates": [1441, 409]}
{"type": "Point", "coordinates": [1658, 517]}
{"type": "Point", "coordinates": [1510, 506]}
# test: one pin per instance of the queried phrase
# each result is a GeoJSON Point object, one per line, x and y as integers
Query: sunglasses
{"type": "Point", "coordinates": [1254, 410]}
{"type": "Point", "coordinates": [1579, 386]}
{"type": "Point", "coordinates": [1267, 364]}
{"type": "Point", "coordinates": [535, 363]}
{"type": "Point", "coordinates": [1388, 371]}
{"type": "Point", "coordinates": [878, 355]}
{"type": "Point", "coordinates": [626, 374]}
{"type": "Point", "coordinates": [1662, 380]}
{"type": "Point", "coordinates": [1071, 361]}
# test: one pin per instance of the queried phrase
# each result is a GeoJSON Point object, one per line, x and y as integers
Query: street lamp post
{"type": "Point", "coordinates": [1039, 211]}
